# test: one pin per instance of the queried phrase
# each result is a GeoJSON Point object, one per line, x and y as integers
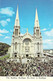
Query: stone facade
{"type": "Point", "coordinates": [26, 45]}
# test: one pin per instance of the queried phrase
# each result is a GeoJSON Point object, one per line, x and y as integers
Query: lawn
{"type": "Point", "coordinates": [3, 57]}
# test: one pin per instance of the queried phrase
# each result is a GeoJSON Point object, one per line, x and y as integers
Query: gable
{"type": "Point", "coordinates": [27, 35]}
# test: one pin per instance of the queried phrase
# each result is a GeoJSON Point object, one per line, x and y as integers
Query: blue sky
{"type": "Point", "coordinates": [27, 9]}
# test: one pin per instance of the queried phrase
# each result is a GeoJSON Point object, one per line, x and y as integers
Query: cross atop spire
{"type": "Point", "coordinates": [27, 29]}
{"type": "Point", "coordinates": [36, 19]}
{"type": "Point", "coordinates": [17, 18]}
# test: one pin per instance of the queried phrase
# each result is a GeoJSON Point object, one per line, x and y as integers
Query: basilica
{"type": "Point", "coordinates": [26, 45]}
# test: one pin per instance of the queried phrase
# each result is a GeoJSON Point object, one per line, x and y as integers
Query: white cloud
{"type": "Point", "coordinates": [49, 33]}
{"type": "Point", "coordinates": [21, 34]}
{"type": "Point", "coordinates": [48, 44]}
{"type": "Point", "coordinates": [44, 29]}
{"type": "Point", "coordinates": [7, 37]}
{"type": "Point", "coordinates": [3, 31]}
{"type": "Point", "coordinates": [4, 22]}
{"type": "Point", "coordinates": [48, 41]}
{"type": "Point", "coordinates": [8, 19]}
{"type": "Point", "coordinates": [1, 35]}
{"type": "Point", "coordinates": [7, 11]}
{"type": "Point", "coordinates": [45, 47]}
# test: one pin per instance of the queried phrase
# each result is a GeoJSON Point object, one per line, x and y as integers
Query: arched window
{"type": "Point", "coordinates": [15, 55]}
{"type": "Point", "coordinates": [38, 54]}
{"type": "Point", "coordinates": [37, 32]}
{"type": "Point", "coordinates": [27, 41]}
{"type": "Point", "coordinates": [15, 45]}
{"type": "Point", "coordinates": [16, 31]}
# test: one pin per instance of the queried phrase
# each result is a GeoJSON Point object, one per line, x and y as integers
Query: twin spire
{"type": "Point", "coordinates": [17, 19]}
{"type": "Point", "coordinates": [36, 19]}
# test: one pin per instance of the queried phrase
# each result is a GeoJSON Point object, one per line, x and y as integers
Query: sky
{"type": "Point", "coordinates": [27, 10]}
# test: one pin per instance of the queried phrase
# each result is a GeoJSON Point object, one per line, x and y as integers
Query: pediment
{"type": "Point", "coordinates": [27, 35]}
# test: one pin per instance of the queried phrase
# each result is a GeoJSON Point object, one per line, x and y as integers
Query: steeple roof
{"type": "Point", "coordinates": [36, 14]}
{"type": "Point", "coordinates": [36, 19]}
{"type": "Point", "coordinates": [17, 18]}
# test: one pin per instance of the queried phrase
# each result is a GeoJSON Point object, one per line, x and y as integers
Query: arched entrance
{"type": "Point", "coordinates": [27, 46]}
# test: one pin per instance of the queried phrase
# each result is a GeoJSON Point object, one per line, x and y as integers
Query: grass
{"type": "Point", "coordinates": [3, 57]}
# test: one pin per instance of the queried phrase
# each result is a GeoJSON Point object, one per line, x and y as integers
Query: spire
{"type": "Point", "coordinates": [36, 19]}
{"type": "Point", "coordinates": [17, 18]}
{"type": "Point", "coordinates": [36, 14]}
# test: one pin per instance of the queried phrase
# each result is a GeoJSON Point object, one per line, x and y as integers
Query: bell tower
{"type": "Point", "coordinates": [37, 35]}
{"type": "Point", "coordinates": [17, 25]}
{"type": "Point", "coordinates": [36, 26]}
